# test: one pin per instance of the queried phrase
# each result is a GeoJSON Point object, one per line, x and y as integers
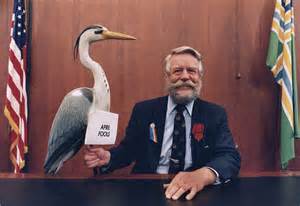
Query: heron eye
{"type": "Point", "coordinates": [99, 32]}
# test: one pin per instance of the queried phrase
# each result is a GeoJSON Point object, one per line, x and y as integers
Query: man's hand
{"type": "Point", "coordinates": [96, 156]}
{"type": "Point", "coordinates": [193, 182]}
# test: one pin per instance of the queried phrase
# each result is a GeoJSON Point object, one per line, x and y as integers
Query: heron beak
{"type": "Point", "coordinates": [116, 35]}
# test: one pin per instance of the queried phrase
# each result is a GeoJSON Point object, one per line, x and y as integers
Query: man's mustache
{"type": "Point", "coordinates": [183, 84]}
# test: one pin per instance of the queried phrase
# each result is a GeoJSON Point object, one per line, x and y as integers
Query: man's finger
{"type": "Point", "coordinates": [171, 190]}
{"type": "Point", "coordinates": [92, 147]}
{"type": "Point", "coordinates": [89, 157]}
{"type": "Point", "coordinates": [96, 149]}
{"type": "Point", "coordinates": [178, 194]}
{"type": "Point", "coordinates": [88, 147]}
{"type": "Point", "coordinates": [102, 162]}
{"type": "Point", "coordinates": [166, 186]}
{"type": "Point", "coordinates": [92, 163]}
{"type": "Point", "coordinates": [191, 194]}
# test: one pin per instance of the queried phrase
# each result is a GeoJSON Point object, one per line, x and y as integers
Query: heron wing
{"type": "Point", "coordinates": [68, 128]}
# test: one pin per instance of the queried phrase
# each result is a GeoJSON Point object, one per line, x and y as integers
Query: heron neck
{"type": "Point", "coordinates": [101, 90]}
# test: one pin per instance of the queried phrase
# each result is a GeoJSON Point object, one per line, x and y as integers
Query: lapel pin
{"type": "Point", "coordinates": [198, 131]}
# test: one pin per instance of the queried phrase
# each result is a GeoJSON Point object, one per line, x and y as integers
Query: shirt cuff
{"type": "Point", "coordinates": [217, 181]}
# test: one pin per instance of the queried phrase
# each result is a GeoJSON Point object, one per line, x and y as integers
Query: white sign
{"type": "Point", "coordinates": [102, 128]}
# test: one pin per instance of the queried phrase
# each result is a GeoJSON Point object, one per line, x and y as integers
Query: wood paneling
{"type": "Point", "coordinates": [232, 35]}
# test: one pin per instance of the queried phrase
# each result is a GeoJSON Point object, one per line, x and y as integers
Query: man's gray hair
{"type": "Point", "coordinates": [184, 50]}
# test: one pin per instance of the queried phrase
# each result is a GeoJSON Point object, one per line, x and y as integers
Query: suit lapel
{"type": "Point", "coordinates": [198, 116]}
{"type": "Point", "coordinates": [159, 117]}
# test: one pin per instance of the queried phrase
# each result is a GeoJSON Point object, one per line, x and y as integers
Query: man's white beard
{"type": "Point", "coordinates": [178, 99]}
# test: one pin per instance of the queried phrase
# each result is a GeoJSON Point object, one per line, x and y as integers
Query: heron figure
{"type": "Point", "coordinates": [69, 125]}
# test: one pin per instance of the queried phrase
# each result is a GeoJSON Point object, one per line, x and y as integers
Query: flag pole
{"type": "Point", "coordinates": [28, 7]}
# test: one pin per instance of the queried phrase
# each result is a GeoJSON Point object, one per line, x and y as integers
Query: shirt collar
{"type": "Point", "coordinates": [172, 105]}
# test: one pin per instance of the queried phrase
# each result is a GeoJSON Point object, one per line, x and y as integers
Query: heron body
{"type": "Point", "coordinates": [68, 129]}
{"type": "Point", "coordinates": [72, 124]}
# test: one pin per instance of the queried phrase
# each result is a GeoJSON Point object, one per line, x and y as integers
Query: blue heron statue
{"type": "Point", "coordinates": [69, 125]}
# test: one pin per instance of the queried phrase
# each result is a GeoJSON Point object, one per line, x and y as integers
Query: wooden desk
{"type": "Point", "coordinates": [144, 190]}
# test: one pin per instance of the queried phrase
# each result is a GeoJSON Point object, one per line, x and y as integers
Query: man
{"type": "Point", "coordinates": [179, 132]}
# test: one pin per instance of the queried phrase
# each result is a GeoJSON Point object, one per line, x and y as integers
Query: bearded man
{"type": "Point", "coordinates": [176, 134]}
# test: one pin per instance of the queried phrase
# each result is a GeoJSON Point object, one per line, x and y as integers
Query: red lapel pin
{"type": "Point", "coordinates": [198, 130]}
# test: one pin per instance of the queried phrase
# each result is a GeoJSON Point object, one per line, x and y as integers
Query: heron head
{"type": "Point", "coordinates": [96, 33]}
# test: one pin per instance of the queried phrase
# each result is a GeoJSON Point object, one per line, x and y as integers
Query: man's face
{"type": "Point", "coordinates": [184, 80]}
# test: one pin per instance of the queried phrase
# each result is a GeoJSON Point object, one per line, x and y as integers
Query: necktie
{"type": "Point", "coordinates": [179, 139]}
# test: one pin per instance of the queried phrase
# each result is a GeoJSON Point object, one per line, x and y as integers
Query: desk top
{"type": "Point", "coordinates": [245, 191]}
{"type": "Point", "coordinates": [138, 176]}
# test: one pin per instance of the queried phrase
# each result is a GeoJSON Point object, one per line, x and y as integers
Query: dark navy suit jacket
{"type": "Point", "coordinates": [216, 149]}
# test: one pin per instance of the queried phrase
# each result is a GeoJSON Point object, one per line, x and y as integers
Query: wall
{"type": "Point", "coordinates": [232, 35]}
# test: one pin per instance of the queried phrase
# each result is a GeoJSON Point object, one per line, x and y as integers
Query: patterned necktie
{"type": "Point", "coordinates": [179, 139]}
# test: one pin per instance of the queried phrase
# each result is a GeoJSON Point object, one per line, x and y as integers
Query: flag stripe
{"type": "Point", "coordinates": [13, 105]}
{"type": "Point", "coordinates": [14, 89]}
{"type": "Point", "coordinates": [16, 64]}
{"type": "Point", "coordinates": [14, 75]}
{"type": "Point", "coordinates": [282, 75]}
{"type": "Point", "coordinates": [287, 105]}
{"type": "Point", "coordinates": [17, 52]}
{"type": "Point", "coordinates": [12, 118]}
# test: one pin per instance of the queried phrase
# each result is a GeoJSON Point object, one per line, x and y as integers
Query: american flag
{"type": "Point", "coordinates": [16, 97]}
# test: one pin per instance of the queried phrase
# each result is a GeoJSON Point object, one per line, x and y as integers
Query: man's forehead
{"type": "Point", "coordinates": [183, 59]}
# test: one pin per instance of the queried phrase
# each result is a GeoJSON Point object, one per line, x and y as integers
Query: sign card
{"type": "Point", "coordinates": [102, 128]}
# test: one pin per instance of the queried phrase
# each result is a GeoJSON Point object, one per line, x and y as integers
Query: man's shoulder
{"type": "Point", "coordinates": [152, 102]}
{"type": "Point", "coordinates": [150, 106]}
{"type": "Point", "coordinates": [209, 106]}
